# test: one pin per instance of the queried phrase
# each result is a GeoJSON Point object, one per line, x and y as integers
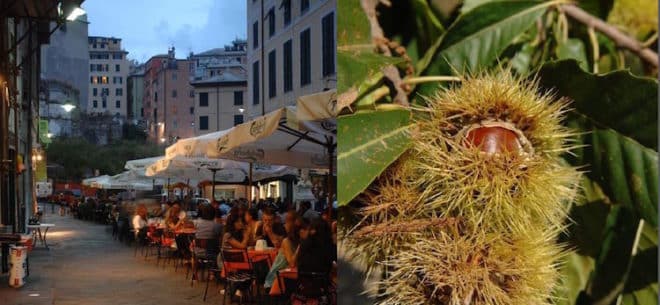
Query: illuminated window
{"type": "Point", "coordinates": [104, 80]}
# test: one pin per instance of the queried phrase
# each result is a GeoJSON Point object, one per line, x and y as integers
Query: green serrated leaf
{"type": "Point", "coordinates": [575, 271]}
{"type": "Point", "coordinates": [368, 142]}
{"type": "Point", "coordinates": [469, 5]}
{"type": "Point", "coordinates": [631, 111]}
{"type": "Point", "coordinates": [361, 70]}
{"type": "Point", "coordinates": [476, 39]}
{"type": "Point", "coordinates": [587, 228]}
{"type": "Point", "coordinates": [352, 24]}
{"type": "Point", "coordinates": [615, 260]}
{"type": "Point", "coordinates": [573, 49]}
{"type": "Point", "coordinates": [645, 296]}
{"type": "Point", "coordinates": [626, 171]}
{"type": "Point", "coordinates": [522, 60]}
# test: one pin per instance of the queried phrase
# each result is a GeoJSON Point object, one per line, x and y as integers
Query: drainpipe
{"type": "Point", "coordinates": [261, 84]}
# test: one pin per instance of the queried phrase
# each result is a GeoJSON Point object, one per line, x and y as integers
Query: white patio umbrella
{"type": "Point", "coordinates": [96, 181]}
{"type": "Point", "coordinates": [270, 139]}
{"type": "Point", "coordinates": [215, 170]}
{"type": "Point", "coordinates": [282, 137]}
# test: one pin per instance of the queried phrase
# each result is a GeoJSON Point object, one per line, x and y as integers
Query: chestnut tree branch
{"type": "Point", "coordinates": [622, 40]}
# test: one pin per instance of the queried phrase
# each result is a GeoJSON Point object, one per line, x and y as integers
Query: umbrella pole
{"type": "Point", "coordinates": [213, 185]}
{"type": "Point", "coordinates": [249, 189]}
{"type": "Point", "coordinates": [168, 188]}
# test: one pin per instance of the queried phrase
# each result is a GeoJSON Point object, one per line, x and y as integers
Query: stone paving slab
{"type": "Point", "coordinates": [85, 266]}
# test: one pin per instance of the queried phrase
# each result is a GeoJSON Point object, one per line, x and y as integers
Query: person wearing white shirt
{"type": "Point", "coordinates": [140, 222]}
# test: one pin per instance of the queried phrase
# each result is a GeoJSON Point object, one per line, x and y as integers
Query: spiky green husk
{"type": "Point", "coordinates": [474, 268]}
{"type": "Point", "coordinates": [501, 192]}
{"type": "Point", "coordinates": [444, 203]}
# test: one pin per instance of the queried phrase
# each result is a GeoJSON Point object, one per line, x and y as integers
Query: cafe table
{"type": "Point", "coordinates": [41, 234]}
{"type": "Point", "coordinates": [258, 255]}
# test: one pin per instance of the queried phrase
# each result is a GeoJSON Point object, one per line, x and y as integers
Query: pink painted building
{"type": "Point", "coordinates": [168, 100]}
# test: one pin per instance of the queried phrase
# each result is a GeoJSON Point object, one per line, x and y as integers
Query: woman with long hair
{"type": "Point", "coordinates": [287, 257]}
{"type": "Point", "coordinates": [235, 233]}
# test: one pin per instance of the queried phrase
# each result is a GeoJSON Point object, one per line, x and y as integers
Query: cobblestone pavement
{"type": "Point", "coordinates": [85, 266]}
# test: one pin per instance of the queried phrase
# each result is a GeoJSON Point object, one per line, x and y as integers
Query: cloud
{"type": "Point", "coordinates": [150, 27]}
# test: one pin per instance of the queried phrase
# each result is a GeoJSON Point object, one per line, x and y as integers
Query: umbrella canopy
{"type": "Point", "coordinates": [200, 169]}
{"type": "Point", "coordinates": [275, 138]}
{"type": "Point", "coordinates": [318, 106]}
{"type": "Point", "coordinates": [140, 164]}
{"type": "Point", "coordinates": [96, 181]}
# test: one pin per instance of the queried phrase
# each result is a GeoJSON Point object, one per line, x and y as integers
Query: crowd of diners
{"type": "Point", "coordinates": [305, 238]}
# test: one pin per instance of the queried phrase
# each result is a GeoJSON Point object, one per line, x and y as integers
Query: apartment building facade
{"type": "Point", "coordinates": [168, 96]}
{"type": "Point", "coordinates": [219, 101]}
{"type": "Point", "coordinates": [135, 94]}
{"type": "Point", "coordinates": [108, 72]}
{"type": "Point", "coordinates": [291, 52]}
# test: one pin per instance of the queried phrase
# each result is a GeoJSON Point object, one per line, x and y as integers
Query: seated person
{"type": "Point", "coordinates": [297, 229]}
{"type": "Point", "coordinates": [174, 217]}
{"type": "Point", "coordinates": [139, 222]}
{"type": "Point", "coordinates": [207, 229]}
{"type": "Point", "coordinates": [317, 252]}
{"type": "Point", "coordinates": [235, 235]}
{"type": "Point", "coordinates": [252, 224]}
{"type": "Point", "coordinates": [307, 212]}
{"type": "Point", "coordinates": [273, 232]}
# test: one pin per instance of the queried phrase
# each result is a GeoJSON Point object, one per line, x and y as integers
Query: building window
{"type": "Point", "coordinates": [119, 92]}
{"type": "Point", "coordinates": [94, 46]}
{"type": "Point", "coordinates": [238, 119]}
{"type": "Point", "coordinates": [238, 98]}
{"type": "Point", "coordinates": [305, 58]}
{"type": "Point", "coordinates": [203, 99]}
{"type": "Point", "coordinates": [288, 66]}
{"type": "Point", "coordinates": [173, 93]}
{"type": "Point", "coordinates": [192, 93]}
{"type": "Point", "coordinates": [287, 12]}
{"type": "Point", "coordinates": [106, 68]}
{"type": "Point", "coordinates": [328, 25]}
{"type": "Point", "coordinates": [104, 80]}
{"type": "Point", "coordinates": [155, 97]}
{"type": "Point", "coordinates": [192, 110]}
{"type": "Point", "coordinates": [272, 83]}
{"type": "Point", "coordinates": [95, 91]}
{"type": "Point", "coordinates": [105, 105]}
{"type": "Point", "coordinates": [91, 68]}
{"type": "Point", "coordinates": [255, 83]}
{"type": "Point", "coordinates": [173, 76]}
{"type": "Point", "coordinates": [304, 6]}
{"type": "Point", "coordinates": [93, 80]}
{"type": "Point", "coordinates": [255, 35]}
{"type": "Point", "coordinates": [203, 123]}
{"type": "Point", "coordinates": [95, 104]}
{"type": "Point", "coordinates": [105, 91]}
{"type": "Point", "coordinates": [99, 67]}
{"type": "Point", "coordinates": [155, 114]}
{"type": "Point", "coordinates": [116, 68]}
{"type": "Point", "coordinates": [117, 104]}
{"type": "Point", "coordinates": [174, 124]}
{"type": "Point", "coordinates": [271, 22]}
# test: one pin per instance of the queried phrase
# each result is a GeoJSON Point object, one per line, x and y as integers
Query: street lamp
{"type": "Point", "coordinates": [241, 110]}
{"type": "Point", "coordinates": [162, 140]}
{"type": "Point", "coordinates": [49, 135]}
{"type": "Point", "coordinates": [77, 12]}
{"type": "Point", "coordinates": [68, 107]}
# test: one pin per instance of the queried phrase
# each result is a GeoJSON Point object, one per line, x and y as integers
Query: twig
{"type": "Point", "coordinates": [595, 47]}
{"type": "Point", "coordinates": [621, 39]}
{"type": "Point", "coordinates": [427, 79]}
